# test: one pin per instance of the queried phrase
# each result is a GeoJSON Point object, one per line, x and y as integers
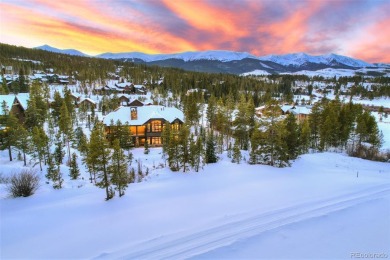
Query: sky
{"type": "Point", "coordinates": [355, 28]}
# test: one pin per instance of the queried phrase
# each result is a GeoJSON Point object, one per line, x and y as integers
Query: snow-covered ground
{"type": "Point", "coordinates": [316, 208]}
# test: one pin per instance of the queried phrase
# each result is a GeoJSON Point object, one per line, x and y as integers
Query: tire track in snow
{"type": "Point", "coordinates": [184, 246]}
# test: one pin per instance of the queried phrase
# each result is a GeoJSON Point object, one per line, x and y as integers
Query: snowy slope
{"type": "Point", "coordinates": [177, 216]}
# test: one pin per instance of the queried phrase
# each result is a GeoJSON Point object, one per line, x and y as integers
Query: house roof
{"type": "Point", "coordinates": [144, 113]}
{"type": "Point", "coordinates": [88, 100]}
{"type": "Point", "coordinates": [301, 110]}
{"type": "Point", "coordinates": [23, 99]}
{"type": "Point", "coordinates": [9, 100]}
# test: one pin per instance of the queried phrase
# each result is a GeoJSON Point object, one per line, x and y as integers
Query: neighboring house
{"type": "Point", "coordinates": [75, 98]}
{"type": "Point", "coordinates": [145, 122]}
{"type": "Point", "coordinates": [301, 113]}
{"type": "Point", "coordinates": [16, 105]}
{"type": "Point", "coordinates": [136, 103]}
{"type": "Point", "coordinates": [87, 103]}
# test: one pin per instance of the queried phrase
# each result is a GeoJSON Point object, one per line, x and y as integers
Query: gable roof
{"type": "Point", "coordinates": [9, 100]}
{"type": "Point", "coordinates": [144, 114]}
{"type": "Point", "coordinates": [23, 99]}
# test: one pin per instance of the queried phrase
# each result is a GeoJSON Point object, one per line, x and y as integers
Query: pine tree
{"type": "Point", "coordinates": [98, 159]}
{"type": "Point", "coordinates": [11, 135]}
{"type": "Point", "coordinates": [146, 146]}
{"type": "Point", "coordinates": [304, 136]}
{"type": "Point", "coordinates": [23, 87]}
{"type": "Point", "coordinates": [211, 116]}
{"type": "Point", "coordinates": [241, 124]}
{"type": "Point", "coordinates": [40, 141]}
{"type": "Point", "coordinates": [118, 169]}
{"type": "Point", "coordinates": [184, 149]}
{"type": "Point", "coordinates": [56, 105]}
{"type": "Point", "coordinates": [74, 171]}
{"type": "Point", "coordinates": [196, 152]}
{"type": "Point", "coordinates": [65, 125]}
{"type": "Point", "coordinates": [54, 173]}
{"type": "Point", "coordinates": [58, 151]}
{"type": "Point", "coordinates": [237, 157]}
{"type": "Point", "coordinates": [24, 142]}
{"type": "Point", "coordinates": [211, 157]}
{"type": "Point", "coordinates": [4, 88]}
{"type": "Point", "coordinates": [315, 121]}
{"type": "Point", "coordinates": [291, 137]}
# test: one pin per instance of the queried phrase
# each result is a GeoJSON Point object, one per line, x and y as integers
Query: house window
{"type": "Point", "coordinates": [176, 126]}
{"type": "Point", "coordinates": [156, 140]}
{"type": "Point", "coordinates": [156, 126]}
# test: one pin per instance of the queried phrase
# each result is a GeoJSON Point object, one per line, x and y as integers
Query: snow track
{"type": "Point", "coordinates": [182, 246]}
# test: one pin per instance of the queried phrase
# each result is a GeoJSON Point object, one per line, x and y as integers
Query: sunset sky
{"type": "Point", "coordinates": [355, 28]}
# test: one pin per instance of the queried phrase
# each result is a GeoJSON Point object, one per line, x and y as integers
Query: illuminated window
{"type": "Point", "coordinates": [176, 126]}
{"type": "Point", "coordinates": [156, 126]}
{"type": "Point", "coordinates": [156, 140]}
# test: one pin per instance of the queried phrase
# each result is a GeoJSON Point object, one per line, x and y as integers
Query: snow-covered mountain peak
{"type": "Point", "coordinates": [298, 59]}
{"type": "Point", "coordinates": [66, 51]}
{"type": "Point", "coordinates": [185, 56]}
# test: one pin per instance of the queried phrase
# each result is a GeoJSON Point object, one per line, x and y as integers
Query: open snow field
{"type": "Point", "coordinates": [317, 208]}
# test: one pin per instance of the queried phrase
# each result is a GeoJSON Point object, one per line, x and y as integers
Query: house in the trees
{"type": "Point", "coordinates": [87, 104]}
{"type": "Point", "coordinates": [15, 105]}
{"type": "Point", "coordinates": [145, 122]}
{"type": "Point", "coordinates": [300, 112]}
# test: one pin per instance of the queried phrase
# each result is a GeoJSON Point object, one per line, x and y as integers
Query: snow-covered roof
{"type": "Point", "coordinates": [286, 108]}
{"type": "Point", "coordinates": [88, 100]}
{"type": "Point", "coordinates": [124, 84]}
{"type": "Point", "coordinates": [144, 114]}
{"type": "Point", "coordinates": [9, 100]}
{"type": "Point", "coordinates": [23, 99]}
{"type": "Point", "coordinates": [301, 110]}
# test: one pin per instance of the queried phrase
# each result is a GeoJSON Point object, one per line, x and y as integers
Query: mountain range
{"type": "Point", "coordinates": [220, 61]}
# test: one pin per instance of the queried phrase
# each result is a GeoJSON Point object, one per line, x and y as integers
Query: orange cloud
{"type": "Point", "coordinates": [289, 33]}
{"type": "Point", "coordinates": [372, 44]}
{"type": "Point", "coordinates": [259, 27]}
{"type": "Point", "coordinates": [100, 34]}
{"type": "Point", "coordinates": [204, 17]}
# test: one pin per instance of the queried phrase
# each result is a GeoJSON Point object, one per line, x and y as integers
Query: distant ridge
{"type": "Point", "coordinates": [67, 51]}
{"type": "Point", "coordinates": [222, 61]}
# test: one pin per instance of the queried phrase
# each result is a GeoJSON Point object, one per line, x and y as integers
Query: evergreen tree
{"type": "Point", "coordinates": [211, 110]}
{"type": "Point", "coordinates": [58, 151]}
{"type": "Point", "coordinates": [304, 136]}
{"type": "Point", "coordinates": [23, 86]}
{"type": "Point", "coordinates": [74, 171]}
{"type": "Point", "coordinates": [56, 105]}
{"type": "Point", "coordinates": [23, 142]}
{"type": "Point", "coordinates": [11, 135]}
{"type": "Point", "coordinates": [196, 152]}
{"type": "Point", "coordinates": [54, 173]}
{"type": "Point", "coordinates": [146, 146]}
{"type": "Point", "coordinates": [237, 157]}
{"type": "Point", "coordinates": [4, 88]}
{"type": "Point", "coordinates": [184, 149]}
{"type": "Point", "coordinates": [40, 141]}
{"type": "Point", "coordinates": [211, 157]}
{"type": "Point", "coordinates": [118, 169]}
{"type": "Point", "coordinates": [291, 137]}
{"type": "Point", "coordinates": [315, 121]}
{"type": "Point", "coordinates": [65, 125]}
{"type": "Point", "coordinates": [98, 159]}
